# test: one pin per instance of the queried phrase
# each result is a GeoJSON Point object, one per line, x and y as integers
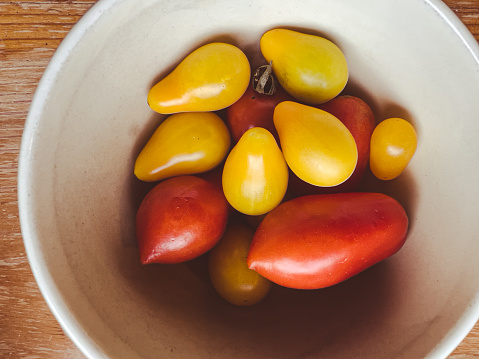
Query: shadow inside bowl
{"type": "Point", "coordinates": [288, 323]}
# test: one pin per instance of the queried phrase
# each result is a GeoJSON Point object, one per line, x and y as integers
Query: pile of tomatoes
{"type": "Point", "coordinates": [269, 190]}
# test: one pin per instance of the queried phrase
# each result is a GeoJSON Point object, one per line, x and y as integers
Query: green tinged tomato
{"type": "Point", "coordinates": [310, 68]}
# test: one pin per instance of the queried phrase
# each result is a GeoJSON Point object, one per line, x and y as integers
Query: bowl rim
{"type": "Point", "coordinates": [45, 282]}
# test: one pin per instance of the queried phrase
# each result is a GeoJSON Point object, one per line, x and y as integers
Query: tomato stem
{"type": "Point", "coordinates": [264, 81]}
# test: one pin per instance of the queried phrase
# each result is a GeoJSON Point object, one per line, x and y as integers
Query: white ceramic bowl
{"type": "Point", "coordinates": [78, 196]}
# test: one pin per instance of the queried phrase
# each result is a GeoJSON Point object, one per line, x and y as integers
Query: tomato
{"type": "Point", "coordinates": [255, 174]}
{"type": "Point", "coordinates": [317, 146]}
{"type": "Point", "coordinates": [254, 110]}
{"type": "Point", "coordinates": [229, 274]}
{"type": "Point", "coordinates": [211, 78]}
{"type": "Point", "coordinates": [180, 219]}
{"type": "Point", "coordinates": [393, 144]}
{"type": "Point", "coordinates": [310, 68]}
{"type": "Point", "coordinates": [358, 117]}
{"type": "Point", "coordinates": [317, 241]}
{"type": "Point", "coordinates": [185, 143]}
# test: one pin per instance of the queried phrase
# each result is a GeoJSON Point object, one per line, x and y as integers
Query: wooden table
{"type": "Point", "coordinates": [30, 31]}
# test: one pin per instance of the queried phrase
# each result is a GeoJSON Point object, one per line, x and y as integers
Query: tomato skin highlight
{"type": "Point", "coordinates": [318, 241]}
{"type": "Point", "coordinates": [180, 219]}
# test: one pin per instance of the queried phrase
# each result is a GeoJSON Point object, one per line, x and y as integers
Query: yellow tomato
{"type": "Point", "coordinates": [229, 274]}
{"type": "Point", "coordinates": [310, 68]}
{"type": "Point", "coordinates": [209, 79]}
{"type": "Point", "coordinates": [185, 143]}
{"type": "Point", "coordinates": [393, 144]}
{"type": "Point", "coordinates": [317, 146]}
{"type": "Point", "coordinates": [255, 175]}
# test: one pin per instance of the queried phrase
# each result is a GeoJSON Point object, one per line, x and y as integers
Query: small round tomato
{"type": "Point", "coordinates": [229, 274]}
{"type": "Point", "coordinates": [393, 143]}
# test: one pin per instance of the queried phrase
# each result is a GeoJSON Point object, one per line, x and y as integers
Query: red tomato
{"type": "Point", "coordinates": [180, 219]}
{"type": "Point", "coordinates": [358, 117]}
{"type": "Point", "coordinates": [317, 241]}
{"type": "Point", "coordinates": [254, 110]}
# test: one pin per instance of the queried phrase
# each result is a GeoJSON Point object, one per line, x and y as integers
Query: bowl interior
{"type": "Point", "coordinates": [78, 195]}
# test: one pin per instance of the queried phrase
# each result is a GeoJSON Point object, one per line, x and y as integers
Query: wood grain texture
{"type": "Point", "coordinates": [30, 31]}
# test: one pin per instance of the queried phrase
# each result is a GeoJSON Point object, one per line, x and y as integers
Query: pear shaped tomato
{"type": "Point", "coordinates": [255, 174]}
{"type": "Point", "coordinates": [211, 78]}
{"type": "Point", "coordinates": [317, 146]}
{"type": "Point", "coordinates": [183, 144]}
{"type": "Point", "coordinates": [317, 241]}
{"type": "Point", "coordinates": [358, 117]}
{"type": "Point", "coordinates": [310, 68]}
{"type": "Point", "coordinates": [180, 219]}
